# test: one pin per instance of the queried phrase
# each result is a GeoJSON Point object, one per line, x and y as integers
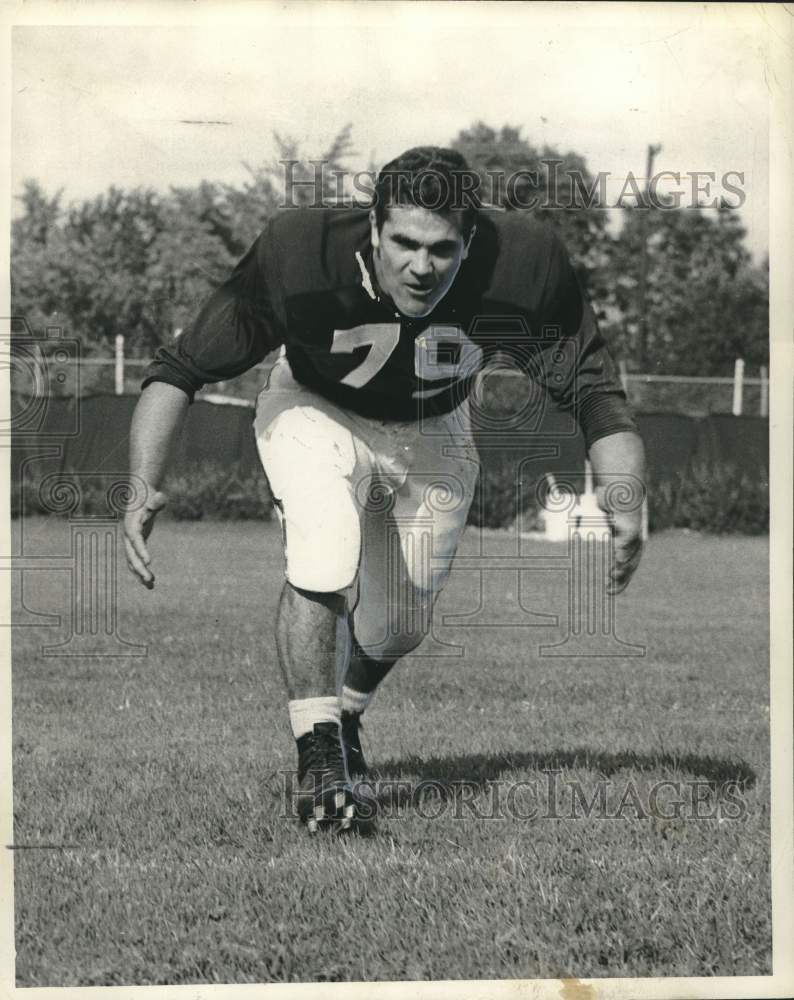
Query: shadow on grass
{"type": "Point", "coordinates": [448, 774]}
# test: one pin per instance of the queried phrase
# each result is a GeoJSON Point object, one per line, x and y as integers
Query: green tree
{"type": "Point", "coordinates": [191, 255]}
{"type": "Point", "coordinates": [34, 286]}
{"type": "Point", "coordinates": [705, 303]}
{"type": "Point", "coordinates": [86, 270]}
{"type": "Point", "coordinates": [40, 216]}
{"type": "Point", "coordinates": [291, 178]}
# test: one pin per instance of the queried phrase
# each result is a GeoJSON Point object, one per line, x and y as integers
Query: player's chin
{"type": "Point", "coordinates": [418, 306]}
{"type": "Point", "coordinates": [415, 310]}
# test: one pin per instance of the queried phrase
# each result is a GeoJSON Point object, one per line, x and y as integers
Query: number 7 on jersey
{"type": "Point", "coordinates": [381, 338]}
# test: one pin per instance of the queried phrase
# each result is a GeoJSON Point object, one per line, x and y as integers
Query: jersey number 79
{"type": "Point", "coordinates": [440, 353]}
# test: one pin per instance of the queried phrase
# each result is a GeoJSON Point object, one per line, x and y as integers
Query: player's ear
{"type": "Point", "coordinates": [373, 227]}
{"type": "Point", "coordinates": [468, 242]}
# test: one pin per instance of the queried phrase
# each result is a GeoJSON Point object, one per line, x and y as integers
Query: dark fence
{"type": "Point", "coordinates": [91, 435]}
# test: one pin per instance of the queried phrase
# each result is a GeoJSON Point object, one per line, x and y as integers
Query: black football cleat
{"type": "Point", "coordinates": [351, 740]}
{"type": "Point", "coordinates": [325, 796]}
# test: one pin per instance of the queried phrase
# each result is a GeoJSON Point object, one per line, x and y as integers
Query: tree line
{"type": "Point", "coordinates": [675, 288]}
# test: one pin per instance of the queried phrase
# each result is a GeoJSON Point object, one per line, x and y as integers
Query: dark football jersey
{"type": "Point", "coordinates": [308, 285]}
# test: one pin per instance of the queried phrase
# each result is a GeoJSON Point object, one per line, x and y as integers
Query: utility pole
{"type": "Point", "coordinates": [642, 339]}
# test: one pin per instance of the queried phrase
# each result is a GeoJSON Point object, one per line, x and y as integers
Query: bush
{"type": "Point", "coordinates": [66, 493]}
{"type": "Point", "coordinates": [718, 500]}
{"type": "Point", "coordinates": [208, 491]}
{"type": "Point", "coordinates": [214, 492]}
{"type": "Point", "coordinates": [503, 494]}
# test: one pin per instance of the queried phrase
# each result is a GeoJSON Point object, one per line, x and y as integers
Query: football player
{"type": "Point", "coordinates": [383, 317]}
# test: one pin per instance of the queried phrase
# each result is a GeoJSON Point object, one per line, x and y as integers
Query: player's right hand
{"type": "Point", "coordinates": [138, 524]}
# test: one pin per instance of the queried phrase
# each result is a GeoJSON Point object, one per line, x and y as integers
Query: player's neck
{"type": "Point", "coordinates": [381, 294]}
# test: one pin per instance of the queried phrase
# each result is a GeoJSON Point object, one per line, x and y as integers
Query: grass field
{"type": "Point", "coordinates": [151, 845]}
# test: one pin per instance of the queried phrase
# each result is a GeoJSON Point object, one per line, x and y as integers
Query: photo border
{"type": "Point", "coordinates": [780, 77]}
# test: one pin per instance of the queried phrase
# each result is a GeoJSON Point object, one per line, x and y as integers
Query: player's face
{"type": "Point", "coordinates": [417, 255]}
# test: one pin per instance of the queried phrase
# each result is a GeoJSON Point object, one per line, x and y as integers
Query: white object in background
{"type": "Point", "coordinates": [555, 525]}
{"type": "Point", "coordinates": [588, 508]}
{"type": "Point", "coordinates": [624, 375]}
{"type": "Point", "coordinates": [588, 517]}
{"type": "Point", "coordinates": [119, 364]}
{"type": "Point", "coordinates": [588, 476]}
{"type": "Point", "coordinates": [555, 521]}
{"type": "Point", "coordinates": [582, 514]}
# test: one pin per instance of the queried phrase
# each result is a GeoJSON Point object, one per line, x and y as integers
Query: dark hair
{"type": "Point", "coordinates": [431, 177]}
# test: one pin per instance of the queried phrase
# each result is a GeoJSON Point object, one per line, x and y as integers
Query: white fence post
{"type": "Point", "coordinates": [764, 408]}
{"type": "Point", "coordinates": [738, 387]}
{"type": "Point", "coordinates": [119, 364]}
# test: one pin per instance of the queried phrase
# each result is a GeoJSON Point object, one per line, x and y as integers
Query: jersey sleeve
{"type": "Point", "coordinates": [577, 369]}
{"type": "Point", "coordinates": [234, 330]}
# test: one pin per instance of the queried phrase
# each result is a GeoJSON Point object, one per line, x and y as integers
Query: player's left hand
{"type": "Point", "coordinates": [627, 543]}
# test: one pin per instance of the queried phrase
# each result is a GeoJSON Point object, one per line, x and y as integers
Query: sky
{"type": "Point", "coordinates": [100, 105]}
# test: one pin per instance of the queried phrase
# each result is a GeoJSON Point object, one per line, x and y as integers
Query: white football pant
{"type": "Point", "coordinates": [370, 508]}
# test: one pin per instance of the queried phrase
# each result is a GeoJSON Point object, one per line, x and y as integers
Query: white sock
{"type": "Point", "coordinates": [304, 712]}
{"type": "Point", "coordinates": [355, 701]}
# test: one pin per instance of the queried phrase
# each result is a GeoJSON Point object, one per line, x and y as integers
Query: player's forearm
{"type": "Point", "coordinates": [619, 460]}
{"type": "Point", "coordinates": [156, 422]}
